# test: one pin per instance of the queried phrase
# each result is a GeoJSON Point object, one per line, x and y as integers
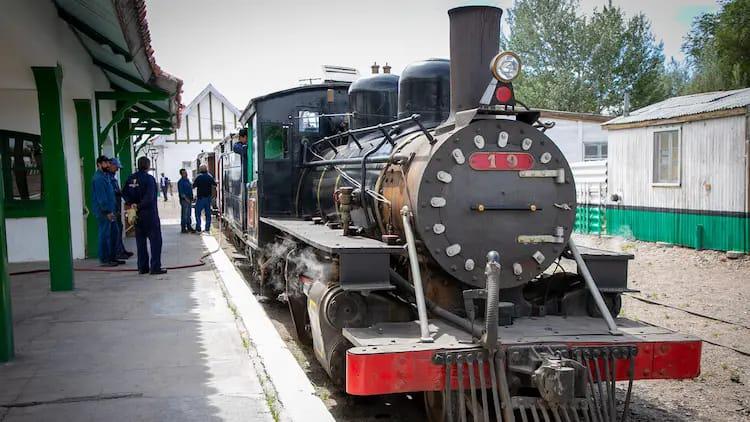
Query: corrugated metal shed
{"type": "Point", "coordinates": [687, 105]}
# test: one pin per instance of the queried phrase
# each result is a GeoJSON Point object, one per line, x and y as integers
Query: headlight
{"type": "Point", "coordinates": [506, 66]}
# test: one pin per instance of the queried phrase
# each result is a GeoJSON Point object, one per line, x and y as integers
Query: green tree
{"type": "Point", "coordinates": [718, 48]}
{"type": "Point", "coordinates": [576, 63]}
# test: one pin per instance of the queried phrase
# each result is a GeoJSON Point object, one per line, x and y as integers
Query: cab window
{"type": "Point", "coordinates": [274, 142]}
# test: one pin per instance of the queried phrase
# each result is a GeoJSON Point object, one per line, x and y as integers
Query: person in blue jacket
{"type": "Point", "coordinates": [120, 251]}
{"type": "Point", "coordinates": [203, 185]}
{"type": "Point", "coordinates": [185, 191]}
{"type": "Point", "coordinates": [240, 147]}
{"type": "Point", "coordinates": [103, 207]}
{"type": "Point", "coordinates": [140, 191]}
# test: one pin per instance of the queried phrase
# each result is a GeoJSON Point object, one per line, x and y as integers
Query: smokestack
{"type": "Point", "coordinates": [386, 68]}
{"type": "Point", "coordinates": [474, 41]}
{"type": "Point", "coordinates": [375, 68]}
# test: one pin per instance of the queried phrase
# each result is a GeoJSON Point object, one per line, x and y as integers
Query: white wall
{"type": "Point", "coordinates": [569, 135]}
{"type": "Point", "coordinates": [33, 35]}
{"type": "Point", "coordinates": [712, 166]}
{"type": "Point", "coordinates": [171, 155]}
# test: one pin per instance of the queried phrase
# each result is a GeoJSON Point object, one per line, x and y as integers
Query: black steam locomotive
{"type": "Point", "coordinates": [416, 225]}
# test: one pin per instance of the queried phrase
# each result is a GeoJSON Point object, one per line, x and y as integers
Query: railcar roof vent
{"type": "Point", "coordinates": [375, 68]}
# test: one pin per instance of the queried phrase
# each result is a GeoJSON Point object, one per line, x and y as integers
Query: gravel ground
{"type": "Point", "coordinates": [701, 281]}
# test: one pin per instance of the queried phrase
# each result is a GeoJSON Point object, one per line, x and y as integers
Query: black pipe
{"type": "Point", "coordinates": [474, 329]}
{"type": "Point", "coordinates": [345, 161]}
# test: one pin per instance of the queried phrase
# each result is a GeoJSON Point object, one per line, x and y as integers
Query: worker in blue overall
{"type": "Point", "coordinates": [120, 251]}
{"type": "Point", "coordinates": [203, 185]}
{"type": "Point", "coordinates": [103, 207]}
{"type": "Point", "coordinates": [140, 191]}
{"type": "Point", "coordinates": [185, 190]}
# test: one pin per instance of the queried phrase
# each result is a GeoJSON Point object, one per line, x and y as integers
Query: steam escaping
{"type": "Point", "coordinates": [287, 260]}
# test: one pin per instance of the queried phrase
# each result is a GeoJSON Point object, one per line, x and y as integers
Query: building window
{"type": "Point", "coordinates": [22, 165]}
{"type": "Point", "coordinates": [594, 151]}
{"type": "Point", "coordinates": [667, 157]}
{"type": "Point", "coordinates": [309, 121]}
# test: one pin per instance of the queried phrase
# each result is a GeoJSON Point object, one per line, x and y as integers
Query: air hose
{"type": "Point", "coordinates": [492, 271]}
{"type": "Point", "coordinates": [201, 262]}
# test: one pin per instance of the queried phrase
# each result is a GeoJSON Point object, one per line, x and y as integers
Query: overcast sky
{"type": "Point", "coordinates": [248, 48]}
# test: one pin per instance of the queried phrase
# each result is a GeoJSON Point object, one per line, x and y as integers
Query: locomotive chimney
{"type": "Point", "coordinates": [375, 68]}
{"type": "Point", "coordinates": [474, 41]}
{"type": "Point", "coordinates": [386, 68]}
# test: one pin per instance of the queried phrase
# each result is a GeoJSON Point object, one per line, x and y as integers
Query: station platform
{"type": "Point", "coordinates": [127, 347]}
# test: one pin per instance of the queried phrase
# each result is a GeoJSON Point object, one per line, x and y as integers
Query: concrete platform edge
{"type": "Point", "coordinates": [295, 392]}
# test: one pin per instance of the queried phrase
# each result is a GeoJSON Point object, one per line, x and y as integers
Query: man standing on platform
{"type": "Point", "coordinates": [164, 185]}
{"type": "Point", "coordinates": [185, 190]}
{"type": "Point", "coordinates": [120, 252]}
{"type": "Point", "coordinates": [203, 184]}
{"type": "Point", "coordinates": [103, 204]}
{"type": "Point", "coordinates": [140, 191]}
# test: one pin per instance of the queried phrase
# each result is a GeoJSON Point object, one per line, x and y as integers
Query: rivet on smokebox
{"type": "Point", "coordinates": [545, 158]}
{"type": "Point", "coordinates": [453, 249]}
{"type": "Point", "coordinates": [502, 139]}
{"type": "Point", "coordinates": [469, 265]}
{"type": "Point", "coordinates": [526, 144]}
{"type": "Point", "coordinates": [437, 201]}
{"type": "Point", "coordinates": [444, 176]}
{"type": "Point", "coordinates": [458, 156]}
{"type": "Point", "coordinates": [479, 141]}
{"type": "Point", "coordinates": [517, 268]}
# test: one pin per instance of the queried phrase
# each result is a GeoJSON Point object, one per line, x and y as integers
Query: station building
{"type": "Point", "coordinates": [679, 172]}
{"type": "Point", "coordinates": [208, 119]}
{"type": "Point", "coordinates": [77, 79]}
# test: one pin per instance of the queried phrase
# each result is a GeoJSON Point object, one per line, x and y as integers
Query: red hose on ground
{"type": "Point", "coordinates": [200, 263]}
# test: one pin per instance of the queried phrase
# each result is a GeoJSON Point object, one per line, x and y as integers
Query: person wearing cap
{"type": "Point", "coordinates": [203, 185]}
{"type": "Point", "coordinates": [141, 191]}
{"type": "Point", "coordinates": [120, 251]}
{"type": "Point", "coordinates": [103, 207]}
{"type": "Point", "coordinates": [185, 190]}
{"type": "Point", "coordinates": [240, 147]}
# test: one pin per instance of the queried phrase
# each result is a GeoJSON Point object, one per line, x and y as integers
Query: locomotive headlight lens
{"type": "Point", "coordinates": [506, 66]}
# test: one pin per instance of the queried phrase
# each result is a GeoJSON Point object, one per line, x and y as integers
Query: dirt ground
{"type": "Point", "coordinates": [701, 281]}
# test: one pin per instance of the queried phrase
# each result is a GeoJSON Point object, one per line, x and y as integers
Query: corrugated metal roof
{"type": "Point", "coordinates": [687, 105]}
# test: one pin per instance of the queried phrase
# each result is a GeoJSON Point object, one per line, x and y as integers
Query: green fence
{"type": "Point", "coordinates": [590, 219]}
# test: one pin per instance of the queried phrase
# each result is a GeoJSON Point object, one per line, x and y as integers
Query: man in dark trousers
{"type": "Point", "coordinates": [185, 191]}
{"type": "Point", "coordinates": [203, 184]}
{"type": "Point", "coordinates": [103, 204]}
{"type": "Point", "coordinates": [120, 251]}
{"type": "Point", "coordinates": [140, 191]}
{"type": "Point", "coordinates": [164, 185]}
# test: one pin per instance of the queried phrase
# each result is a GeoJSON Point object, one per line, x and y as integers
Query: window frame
{"type": "Point", "coordinates": [19, 208]}
{"type": "Point", "coordinates": [599, 145]}
{"type": "Point", "coordinates": [652, 137]}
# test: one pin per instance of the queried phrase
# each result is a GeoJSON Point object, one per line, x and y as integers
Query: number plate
{"type": "Point", "coordinates": [507, 161]}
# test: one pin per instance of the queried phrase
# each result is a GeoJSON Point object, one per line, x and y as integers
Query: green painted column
{"type": "Point", "coordinates": [87, 149]}
{"type": "Point", "coordinates": [6, 315]}
{"type": "Point", "coordinates": [55, 177]}
{"type": "Point", "coordinates": [250, 168]}
{"type": "Point", "coordinates": [125, 154]}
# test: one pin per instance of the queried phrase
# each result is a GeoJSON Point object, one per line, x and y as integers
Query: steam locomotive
{"type": "Point", "coordinates": [416, 227]}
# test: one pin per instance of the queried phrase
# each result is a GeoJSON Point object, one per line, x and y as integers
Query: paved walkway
{"type": "Point", "coordinates": [125, 347]}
